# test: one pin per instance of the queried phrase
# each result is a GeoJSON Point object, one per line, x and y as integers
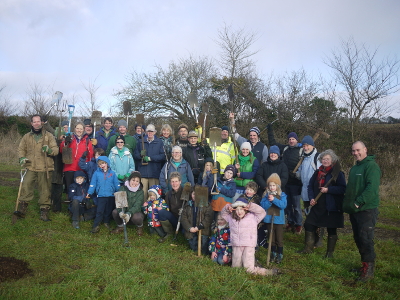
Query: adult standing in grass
{"type": "Point", "coordinates": [121, 160]}
{"type": "Point", "coordinates": [36, 151]}
{"type": "Point", "coordinates": [327, 211]}
{"type": "Point", "coordinates": [361, 203]}
{"type": "Point", "coordinates": [166, 137]}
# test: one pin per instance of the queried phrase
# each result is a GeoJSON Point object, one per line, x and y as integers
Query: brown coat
{"type": "Point", "coordinates": [32, 150]}
{"type": "Point", "coordinates": [205, 213]}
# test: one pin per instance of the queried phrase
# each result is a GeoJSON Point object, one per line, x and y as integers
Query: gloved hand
{"type": "Point", "coordinates": [94, 142]}
{"type": "Point", "coordinates": [125, 217]}
{"type": "Point", "coordinates": [68, 140]}
{"type": "Point", "coordinates": [121, 177]}
{"type": "Point", "coordinates": [146, 159]}
{"type": "Point", "coordinates": [127, 175]}
{"type": "Point", "coordinates": [46, 149]}
{"type": "Point", "coordinates": [23, 161]}
{"type": "Point", "coordinates": [201, 226]}
{"type": "Point", "coordinates": [143, 153]}
{"type": "Point", "coordinates": [214, 171]}
{"type": "Point", "coordinates": [269, 126]}
{"type": "Point", "coordinates": [84, 155]}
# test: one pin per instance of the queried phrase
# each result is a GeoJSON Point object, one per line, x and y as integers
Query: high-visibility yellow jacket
{"type": "Point", "coordinates": [225, 154]}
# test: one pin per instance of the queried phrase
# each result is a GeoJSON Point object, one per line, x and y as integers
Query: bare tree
{"type": "Point", "coordinates": [38, 99]}
{"type": "Point", "coordinates": [366, 80]}
{"type": "Point", "coordinates": [7, 108]}
{"type": "Point", "coordinates": [87, 107]}
{"type": "Point", "coordinates": [165, 92]}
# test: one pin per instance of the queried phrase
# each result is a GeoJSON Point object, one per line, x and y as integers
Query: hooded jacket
{"type": "Point", "coordinates": [244, 232]}
{"type": "Point", "coordinates": [363, 186]}
{"type": "Point", "coordinates": [191, 217]}
{"type": "Point", "coordinates": [78, 146]}
{"type": "Point", "coordinates": [78, 191]}
{"type": "Point", "coordinates": [280, 203]}
{"type": "Point", "coordinates": [105, 184]}
{"type": "Point", "coordinates": [121, 165]}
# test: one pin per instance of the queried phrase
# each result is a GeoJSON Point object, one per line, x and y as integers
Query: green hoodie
{"type": "Point", "coordinates": [363, 186]}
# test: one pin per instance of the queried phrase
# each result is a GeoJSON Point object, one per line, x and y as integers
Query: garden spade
{"type": "Point", "coordinates": [272, 211]}
{"type": "Point", "coordinates": [335, 173]}
{"type": "Point", "coordinates": [201, 200]}
{"type": "Point", "coordinates": [127, 111]}
{"type": "Point", "coordinates": [192, 99]}
{"type": "Point", "coordinates": [185, 198]}
{"type": "Point", "coordinates": [96, 119]}
{"type": "Point", "coordinates": [203, 120]}
{"type": "Point", "coordinates": [121, 201]}
{"type": "Point", "coordinates": [140, 122]}
{"type": "Point", "coordinates": [215, 141]}
{"type": "Point", "coordinates": [19, 214]}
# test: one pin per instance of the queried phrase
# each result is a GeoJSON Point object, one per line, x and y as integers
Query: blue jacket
{"type": "Point", "coordinates": [334, 196]}
{"type": "Point", "coordinates": [154, 150]}
{"type": "Point", "coordinates": [78, 191]}
{"type": "Point", "coordinates": [105, 184]}
{"type": "Point", "coordinates": [281, 204]}
{"type": "Point", "coordinates": [306, 170]}
{"type": "Point", "coordinates": [88, 166]}
{"type": "Point", "coordinates": [102, 141]}
{"type": "Point", "coordinates": [227, 189]}
{"type": "Point", "coordinates": [183, 169]}
{"type": "Point", "coordinates": [121, 165]}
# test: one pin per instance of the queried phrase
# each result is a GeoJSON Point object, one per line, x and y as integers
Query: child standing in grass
{"type": "Point", "coordinates": [243, 218]}
{"type": "Point", "coordinates": [77, 192]}
{"type": "Point", "coordinates": [274, 196]}
{"type": "Point", "coordinates": [220, 242]}
{"type": "Point", "coordinates": [151, 207]}
{"type": "Point", "coordinates": [105, 183]}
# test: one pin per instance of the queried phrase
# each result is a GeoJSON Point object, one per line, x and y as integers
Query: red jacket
{"type": "Point", "coordinates": [78, 148]}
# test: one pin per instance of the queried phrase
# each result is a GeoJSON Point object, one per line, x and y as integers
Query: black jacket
{"type": "Point", "coordinates": [267, 168]}
{"type": "Point", "coordinates": [196, 157]}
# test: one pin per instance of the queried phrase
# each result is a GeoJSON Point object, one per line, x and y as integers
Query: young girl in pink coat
{"type": "Point", "coordinates": [243, 219]}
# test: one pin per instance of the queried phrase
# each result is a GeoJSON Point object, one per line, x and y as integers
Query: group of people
{"type": "Point", "coordinates": [243, 194]}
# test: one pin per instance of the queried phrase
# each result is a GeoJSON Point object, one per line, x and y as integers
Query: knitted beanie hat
{"type": "Point", "coordinates": [122, 123]}
{"type": "Point", "coordinates": [240, 202]}
{"type": "Point", "coordinates": [225, 128]}
{"type": "Point", "coordinates": [156, 189]}
{"type": "Point", "coordinates": [274, 149]}
{"type": "Point", "coordinates": [293, 135]}
{"type": "Point", "coordinates": [135, 174]}
{"type": "Point", "coordinates": [274, 177]}
{"type": "Point", "coordinates": [245, 145]}
{"type": "Point", "coordinates": [255, 129]}
{"type": "Point", "coordinates": [308, 140]}
{"type": "Point", "coordinates": [231, 168]}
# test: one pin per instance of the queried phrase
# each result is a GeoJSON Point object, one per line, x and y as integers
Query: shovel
{"type": "Point", "coordinates": [127, 105]}
{"type": "Point", "coordinates": [272, 211]}
{"type": "Point", "coordinates": [121, 201]}
{"type": "Point", "coordinates": [140, 122]}
{"type": "Point", "coordinates": [335, 173]}
{"type": "Point", "coordinates": [96, 118]}
{"type": "Point", "coordinates": [201, 200]}
{"type": "Point", "coordinates": [215, 140]}
{"type": "Point", "coordinates": [18, 214]}
{"type": "Point", "coordinates": [192, 99]}
{"type": "Point", "coordinates": [184, 197]}
{"type": "Point", "coordinates": [203, 120]}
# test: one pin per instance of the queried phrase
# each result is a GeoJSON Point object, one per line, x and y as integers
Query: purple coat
{"type": "Point", "coordinates": [244, 232]}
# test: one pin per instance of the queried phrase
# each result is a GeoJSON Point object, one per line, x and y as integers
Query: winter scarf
{"type": "Point", "coordinates": [132, 189]}
{"type": "Point", "coordinates": [322, 172]}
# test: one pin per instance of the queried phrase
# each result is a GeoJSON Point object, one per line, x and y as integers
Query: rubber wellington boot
{"type": "Point", "coordinates": [309, 243]}
{"type": "Point", "coordinates": [44, 214]}
{"type": "Point", "coordinates": [319, 237]}
{"type": "Point", "coordinates": [273, 257]}
{"type": "Point", "coordinates": [332, 239]}
{"type": "Point", "coordinates": [367, 271]}
{"type": "Point", "coordinates": [167, 227]}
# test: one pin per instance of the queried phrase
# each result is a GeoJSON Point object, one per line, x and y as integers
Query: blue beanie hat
{"type": "Point", "coordinates": [225, 128]}
{"type": "Point", "coordinates": [293, 135]}
{"type": "Point", "coordinates": [274, 149]}
{"type": "Point", "coordinates": [308, 140]}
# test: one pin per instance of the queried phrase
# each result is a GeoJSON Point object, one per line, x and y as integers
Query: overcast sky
{"type": "Point", "coordinates": [64, 43]}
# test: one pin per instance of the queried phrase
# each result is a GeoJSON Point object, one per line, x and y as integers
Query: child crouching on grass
{"type": "Point", "coordinates": [243, 219]}
{"type": "Point", "coordinates": [274, 196]}
{"type": "Point", "coordinates": [220, 242]}
{"type": "Point", "coordinates": [105, 183]}
{"type": "Point", "coordinates": [195, 219]}
{"type": "Point", "coordinates": [151, 207]}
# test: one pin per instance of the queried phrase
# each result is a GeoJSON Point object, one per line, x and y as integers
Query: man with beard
{"type": "Point", "coordinates": [182, 140]}
{"type": "Point", "coordinates": [196, 154]}
{"type": "Point", "coordinates": [36, 151]}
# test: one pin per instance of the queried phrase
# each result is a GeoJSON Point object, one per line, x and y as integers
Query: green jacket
{"type": "Point", "coordinates": [363, 186]}
{"type": "Point", "coordinates": [130, 143]}
{"type": "Point", "coordinates": [135, 200]}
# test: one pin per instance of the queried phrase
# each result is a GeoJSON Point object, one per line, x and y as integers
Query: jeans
{"type": "Point", "coordinates": [103, 212]}
{"type": "Point", "coordinates": [363, 224]}
{"type": "Point", "coordinates": [204, 243]}
{"type": "Point", "coordinates": [293, 208]}
{"type": "Point", "coordinates": [165, 215]}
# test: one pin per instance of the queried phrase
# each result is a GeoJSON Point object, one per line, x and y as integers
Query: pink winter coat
{"type": "Point", "coordinates": [244, 232]}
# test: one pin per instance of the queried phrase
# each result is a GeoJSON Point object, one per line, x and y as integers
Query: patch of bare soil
{"type": "Point", "coordinates": [6, 176]}
{"type": "Point", "coordinates": [13, 269]}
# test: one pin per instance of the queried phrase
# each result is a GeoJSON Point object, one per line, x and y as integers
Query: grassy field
{"type": "Point", "coordinates": [73, 264]}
